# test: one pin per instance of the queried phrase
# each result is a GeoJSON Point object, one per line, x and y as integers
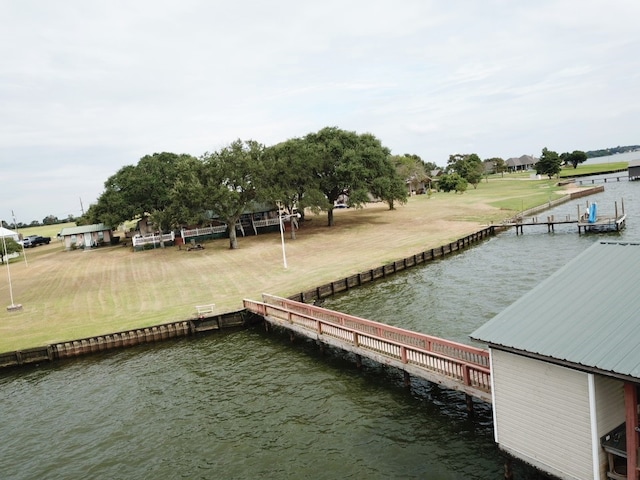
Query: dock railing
{"type": "Point", "coordinates": [429, 357]}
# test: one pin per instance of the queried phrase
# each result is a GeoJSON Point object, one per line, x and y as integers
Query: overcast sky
{"type": "Point", "coordinates": [87, 87]}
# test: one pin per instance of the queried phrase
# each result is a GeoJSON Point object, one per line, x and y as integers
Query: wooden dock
{"type": "Point", "coordinates": [602, 223]}
{"type": "Point", "coordinates": [453, 365]}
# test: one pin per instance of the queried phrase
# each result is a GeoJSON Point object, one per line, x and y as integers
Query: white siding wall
{"type": "Point", "coordinates": [542, 414]}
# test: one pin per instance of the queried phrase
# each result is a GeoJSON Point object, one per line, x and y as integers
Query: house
{"type": "Point", "coordinates": [86, 236]}
{"type": "Point", "coordinates": [256, 218]}
{"type": "Point", "coordinates": [565, 363]}
{"type": "Point", "coordinates": [525, 162]}
{"type": "Point", "coordinates": [418, 185]}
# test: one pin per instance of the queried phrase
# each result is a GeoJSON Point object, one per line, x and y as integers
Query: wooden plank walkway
{"type": "Point", "coordinates": [453, 365]}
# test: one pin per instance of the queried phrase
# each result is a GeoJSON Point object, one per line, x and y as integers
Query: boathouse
{"type": "Point", "coordinates": [634, 169]}
{"type": "Point", "coordinates": [565, 368]}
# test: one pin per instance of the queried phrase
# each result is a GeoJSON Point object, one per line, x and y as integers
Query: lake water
{"type": "Point", "coordinates": [248, 404]}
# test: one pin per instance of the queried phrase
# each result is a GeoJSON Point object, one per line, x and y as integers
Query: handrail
{"type": "Point", "coordinates": [462, 363]}
{"type": "Point", "coordinates": [468, 353]}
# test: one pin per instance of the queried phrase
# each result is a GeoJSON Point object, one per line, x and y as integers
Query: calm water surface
{"type": "Point", "coordinates": [248, 404]}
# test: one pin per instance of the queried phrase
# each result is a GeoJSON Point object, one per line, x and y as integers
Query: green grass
{"type": "Point", "coordinates": [593, 169]}
{"type": "Point", "coordinates": [45, 230]}
{"type": "Point", "coordinates": [507, 192]}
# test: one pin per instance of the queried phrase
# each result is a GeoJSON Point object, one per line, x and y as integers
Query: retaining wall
{"type": "Point", "coordinates": [129, 338]}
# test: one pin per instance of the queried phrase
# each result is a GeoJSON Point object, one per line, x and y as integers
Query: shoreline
{"type": "Point", "coordinates": [432, 221]}
{"type": "Point", "coordinates": [239, 319]}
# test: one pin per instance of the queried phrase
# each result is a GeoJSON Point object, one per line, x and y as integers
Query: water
{"type": "Point", "coordinates": [620, 157]}
{"type": "Point", "coordinates": [248, 404]}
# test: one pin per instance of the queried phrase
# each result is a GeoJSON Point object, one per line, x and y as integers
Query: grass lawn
{"type": "Point", "coordinates": [76, 294]}
{"type": "Point", "coordinates": [590, 169]}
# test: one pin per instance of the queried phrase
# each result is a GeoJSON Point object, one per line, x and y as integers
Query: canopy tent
{"type": "Point", "coordinates": [5, 232]}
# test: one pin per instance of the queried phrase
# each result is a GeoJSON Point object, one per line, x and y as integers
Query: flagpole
{"type": "Point", "coordinates": [13, 306]}
{"type": "Point", "coordinates": [15, 227]}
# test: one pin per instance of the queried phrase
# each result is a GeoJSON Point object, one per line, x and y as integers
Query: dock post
{"type": "Point", "coordinates": [469, 400]}
{"type": "Point", "coordinates": [508, 471]}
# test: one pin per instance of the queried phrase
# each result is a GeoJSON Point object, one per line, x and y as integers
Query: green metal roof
{"type": "Point", "coordinates": [587, 313]}
{"type": "Point", "coordinates": [98, 227]}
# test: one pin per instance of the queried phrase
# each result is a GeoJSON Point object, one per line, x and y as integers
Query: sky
{"type": "Point", "coordinates": [87, 87]}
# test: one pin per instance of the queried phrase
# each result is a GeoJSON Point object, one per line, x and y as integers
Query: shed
{"type": "Point", "coordinates": [86, 236]}
{"type": "Point", "coordinates": [634, 169]}
{"type": "Point", "coordinates": [565, 363]}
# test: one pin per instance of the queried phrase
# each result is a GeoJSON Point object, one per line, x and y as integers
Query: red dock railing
{"type": "Point", "coordinates": [454, 365]}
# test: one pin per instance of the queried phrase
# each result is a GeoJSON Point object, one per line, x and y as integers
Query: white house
{"type": "Point", "coordinates": [86, 236]}
{"type": "Point", "coordinates": [565, 363]}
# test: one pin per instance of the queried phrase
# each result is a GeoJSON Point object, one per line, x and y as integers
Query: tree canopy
{"type": "Point", "coordinates": [139, 190]}
{"type": "Point", "coordinates": [549, 163]}
{"type": "Point", "coordinates": [351, 165]}
{"type": "Point", "coordinates": [574, 158]}
{"type": "Point", "coordinates": [8, 246]}
{"type": "Point", "coordinates": [467, 166]}
{"type": "Point", "coordinates": [312, 172]}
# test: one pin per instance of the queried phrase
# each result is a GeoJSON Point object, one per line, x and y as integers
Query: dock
{"type": "Point", "coordinates": [453, 365]}
{"type": "Point", "coordinates": [587, 222]}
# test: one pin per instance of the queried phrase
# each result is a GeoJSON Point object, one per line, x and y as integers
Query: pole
{"type": "Point", "coordinates": [13, 306]}
{"type": "Point", "coordinates": [284, 256]}
{"type": "Point", "coordinates": [15, 227]}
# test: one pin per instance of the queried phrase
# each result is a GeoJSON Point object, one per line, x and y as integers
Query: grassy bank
{"type": "Point", "coordinates": [75, 294]}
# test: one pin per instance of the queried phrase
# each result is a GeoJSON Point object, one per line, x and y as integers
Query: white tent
{"type": "Point", "coordinates": [5, 232]}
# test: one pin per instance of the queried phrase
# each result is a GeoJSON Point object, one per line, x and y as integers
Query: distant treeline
{"type": "Point", "coordinates": [611, 151]}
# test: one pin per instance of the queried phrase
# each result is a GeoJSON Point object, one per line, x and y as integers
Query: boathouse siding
{"type": "Point", "coordinates": [566, 369]}
{"type": "Point", "coordinates": [561, 408]}
{"type": "Point", "coordinates": [547, 414]}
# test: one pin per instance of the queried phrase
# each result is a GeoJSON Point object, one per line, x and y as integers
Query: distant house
{"type": "Point", "coordinates": [86, 236]}
{"type": "Point", "coordinates": [257, 218]}
{"type": "Point", "coordinates": [525, 162]}
{"type": "Point", "coordinates": [565, 362]}
{"type": "Point", "coordinates": [417, 185]}
{"type": "Point", "coordinates": [144, 226]}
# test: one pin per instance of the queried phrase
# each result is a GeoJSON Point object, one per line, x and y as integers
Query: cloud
{"type": "Point", "coordinates": [87, 87]}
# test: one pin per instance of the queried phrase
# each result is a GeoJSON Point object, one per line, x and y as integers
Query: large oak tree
{"type": "Point", "coordinates": [347, 164]}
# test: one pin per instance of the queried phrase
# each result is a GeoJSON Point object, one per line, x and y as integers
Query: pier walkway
{"type": "Point", "coordinates": [453, 365]}
{"type": "Point", "coordinates": [602, 223]}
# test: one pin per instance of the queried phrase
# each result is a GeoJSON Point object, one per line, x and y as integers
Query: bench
{"type": "Point", "coordinates": [204, 310]}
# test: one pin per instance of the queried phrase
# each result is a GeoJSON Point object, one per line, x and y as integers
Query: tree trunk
{"type": "Point", "coordinates": [233, 239]}
{"type": "Point", "coordinates": [330, 217]}
{"type": "Point", "coordinates": [293, 222]}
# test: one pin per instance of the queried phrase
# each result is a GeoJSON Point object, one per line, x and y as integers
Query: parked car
{"type": "Point", "coordinates": [35, 240]}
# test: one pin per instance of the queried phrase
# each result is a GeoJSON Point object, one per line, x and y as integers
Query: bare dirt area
{"type": "Point", "coordinates": [74, 294]}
